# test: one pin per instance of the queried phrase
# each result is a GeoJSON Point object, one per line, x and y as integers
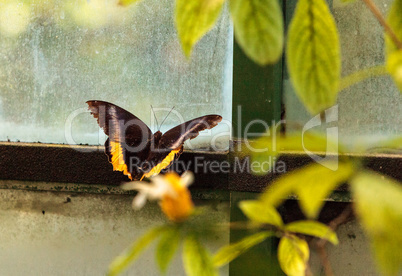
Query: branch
{"type": "Point", "coordinates": [320, 244]}
{"type": "Point", "coordinates": [308, 270]}
{"type": "Point", "coordinates": [384, 23]}
{"type": "Point", "coordinates": [322, 253]}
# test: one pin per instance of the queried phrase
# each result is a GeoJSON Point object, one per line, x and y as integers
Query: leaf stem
{"type": "Point", "coordinates": [373, 8]}
{"type": "Point", "coordinates": [361, 75]}
{"type": "Point", "coordinates": [320, 244]}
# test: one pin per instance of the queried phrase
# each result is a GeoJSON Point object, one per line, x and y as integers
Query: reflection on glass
{"type": "Point", "coordinates": [370, 110]}
{"type": "Point", "coordinates": [56, 55]}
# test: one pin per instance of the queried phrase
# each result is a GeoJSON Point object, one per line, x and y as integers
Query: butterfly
{"type": "Point", "coordinates": [131, 146]}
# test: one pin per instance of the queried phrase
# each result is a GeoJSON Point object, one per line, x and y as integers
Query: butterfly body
{"type": "Point", "coordinates": [133, 149]}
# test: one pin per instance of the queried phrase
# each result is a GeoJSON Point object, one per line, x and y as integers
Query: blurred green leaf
{"type": "Point", "coordinates": [258, 28]}
{"type": "Point", "coordinates": [120, 263]}
{"type": "Point", "coordinates": [395, 22]}
{"type": "Point", "coordinates": [280, 189]}
{"type": "Point", "coordinates": [318, 182]}
{"type": "Point", "coordinates": [197, 260]}
{"type": "Point", "coordinates": [261, 152]}
{"type": "Point", "coordinates": [261, 212]}
{"type": "Point", "coordinates": [265, 149]}
{"type": "Point", "coordinates": [378, 203]}
{"type": "Point", "coordinates": [230, 252]}
{"type": "Point", "coordinates": [313, 55]}
{"type": "Point", "coordinates": [386, 145]}
{"type": "Point", "coordinates": [167, 247]}
{"type": "Point", "coordinates": [293, 254]}
{"type": "Point", "coordinates": [312, 184]}
{"type": "Point", "coordinates": [127, 2]}
{"type": "Point", "coordinates": [194, 19]}
{"type": "Point", "coordinates": [393, 54]}
{"type": "Point", "coordinates": [312, 228]}
{"type": "Point", "coordinates": [394, 143]}
{"type": "Point", "coordinates": [394, 67]}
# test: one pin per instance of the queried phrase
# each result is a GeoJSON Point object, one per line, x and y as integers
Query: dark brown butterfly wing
{"type": "Point", "coordinates": [175, 137]}
{"type": "Point", "coordinates": [170, 145]}
{"type": "Point", "coordinates": [129, 138]}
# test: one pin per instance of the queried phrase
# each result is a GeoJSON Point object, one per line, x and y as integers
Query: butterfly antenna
{"type": "Point", "coordinates": [167, 116]}
{"type": "Point", "coordinates": [155, 117]}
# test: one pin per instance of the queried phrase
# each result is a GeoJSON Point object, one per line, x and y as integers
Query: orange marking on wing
{"type": "Point", "coordinates": [165, 163]}
{"type": "Point", "coordinates": [117, 159]}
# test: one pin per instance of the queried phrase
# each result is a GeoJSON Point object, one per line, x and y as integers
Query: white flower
{"type": "Point", "coordinates": [171, 192]}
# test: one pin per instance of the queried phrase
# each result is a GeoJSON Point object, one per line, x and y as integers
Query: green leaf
{"type": "Point", "coordinates": [261, 212]}
{"type": "Point", "coordinates": [313, 55]}
{"type": "Point", "coordinates": [395, 22]}
{"type": "Point", "coordinates": [265, 149]}
{"type": "Point", "coordinates": [312, 184]}
{"type": "Point", "coordinates": [194, 19]}
{"type": "Point", "coordinates": [393, 54]}
{"type": "Point", "coordinates": [197, 260]}
{"type": "Point", "coordinates": [258, 28]}
{"type": "Point", "coordinates": [120, 263]}
{"type": "Point", "coordinates": [280, 189]}
{"type": "Point", "coordinates": [378, 203]}
{"type": "Point", "coordinates": [312, 228]}
{"type": "Point", "coordinates": [262, 153]}
{"type": "Point", "coordinates": [127, 2]}
{"type": "Point", "coordinates": [394, 67]}
{"type": "Point", "coordinates": [230, 252]}
{"type": "Point", "coordinates": [167, 247]}
{"type": "Point", "coordinates": [318, 182]}
{"type": "Point", "coordinates": [316, 142]}
{"type": "Point", "coordinates": [393, 143]}
{"type": "Point", "coordinates": [293, 254]}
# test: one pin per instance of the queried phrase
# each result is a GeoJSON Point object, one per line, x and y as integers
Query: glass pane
{"type": "Point", "coordinates": [56, 55]}
{"type": "Point", "coordinates": [370, 109]}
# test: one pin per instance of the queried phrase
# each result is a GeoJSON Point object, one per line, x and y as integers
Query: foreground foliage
{"type": "Point", "coordinates": [314, 64]}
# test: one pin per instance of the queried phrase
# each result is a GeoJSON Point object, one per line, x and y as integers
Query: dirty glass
{"type": "Point", "coordinates": [56, 55]}
{"type": "Point", "coordinates": [370, 110]}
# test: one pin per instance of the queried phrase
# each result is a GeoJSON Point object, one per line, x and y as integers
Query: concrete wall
{"type": "Point", "coordinates": [43, 234]}
{"type": "Point", "coordinates": [351, 257]}
{"type": "Point", "coordinates": [65, 233]}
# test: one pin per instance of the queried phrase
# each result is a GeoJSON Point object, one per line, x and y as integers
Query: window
{"type": "Point", "coordinates": [57, 55]}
